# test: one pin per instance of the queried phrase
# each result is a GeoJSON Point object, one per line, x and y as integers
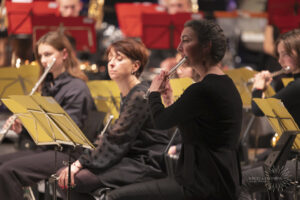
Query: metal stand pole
{"type": "Point", "coordinates": [296, 178]}
{"type": "Point", "coordinates": [69, 177]}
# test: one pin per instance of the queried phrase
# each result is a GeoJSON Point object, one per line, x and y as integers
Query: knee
{"type": "Point", "coordinates": [5, 172]}
{"type": "Point", "coordinates": [4, 168]}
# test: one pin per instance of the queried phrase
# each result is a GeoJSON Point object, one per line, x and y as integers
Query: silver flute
{"type": "Point", "coordinates": [273, 74]}
{"type": "Point", "coordinates": [172, 71]}
{"type": "Point", "coordinates": [6, 127]}
{"type": "Point", "coordinates": [110, 118]}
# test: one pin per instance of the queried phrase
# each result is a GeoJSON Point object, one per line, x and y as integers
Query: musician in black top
{"type": "Point", "coordinates": [209, 116]}
{"type": "Point", "coordinates": [287, 49]}
{"type": "Point", "coordinates": [66, 83]}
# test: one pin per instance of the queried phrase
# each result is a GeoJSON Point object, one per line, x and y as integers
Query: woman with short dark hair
{"type": "Point", "coordinates": [130, 150]}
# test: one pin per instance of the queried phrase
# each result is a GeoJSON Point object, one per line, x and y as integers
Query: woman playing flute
{"type": "Point", "coordinates": [66, 83]}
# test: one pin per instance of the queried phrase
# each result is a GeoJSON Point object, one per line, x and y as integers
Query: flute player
{"type": "Point", "coordinates": [66, 84]}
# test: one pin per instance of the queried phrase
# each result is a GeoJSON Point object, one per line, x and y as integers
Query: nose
{"type": "Point", "coordinates": [111, 64]}
{"type": "Point", "coordinates": [280, 61]}
{"type": "Point", "coordinates": [179, 48]}
{"type": "Point", "coordinates": [43, 61]}
{"type": "Point", "coordinates": [69, 13]}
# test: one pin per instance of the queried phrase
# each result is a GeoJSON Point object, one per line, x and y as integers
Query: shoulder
{"type": "Point", "coordinates": [219, 82]}
{"type": "Point", "coordinates": [76, 87]}
{"type": "Point", "coordinates": [138, 92]}
{"type": "Point", "coordinates": [78, 84]}
{"type": "Point", "coordinates": [139, 89]}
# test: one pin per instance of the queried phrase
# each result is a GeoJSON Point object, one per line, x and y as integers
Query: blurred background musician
{"type": "Point", "coordinates": [177, 6]}
{"type": "Point", "coordinates": [130, 151]}
{"type": "Point", "coordinates": [66, 83]}
{"type": "Point", "coordinates": [69, 8]}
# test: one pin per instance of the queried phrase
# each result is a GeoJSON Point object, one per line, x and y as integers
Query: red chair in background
{"type": "Point", "coordinates": [285, 23]}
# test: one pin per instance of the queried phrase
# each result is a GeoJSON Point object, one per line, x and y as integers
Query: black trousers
{"type": "Point", "coordinates": [162, 189]}
{"type": "Point", "coordinates": [26, 168]}
{"type": "Point", "coordinates": [85, 183]}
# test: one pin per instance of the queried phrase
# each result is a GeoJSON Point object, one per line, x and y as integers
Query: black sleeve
{"type": "Point", "coordinates": [117, 142]}
{"type": "Point", "coordinates": [184, 109]}
{"type": "Point", "coordinates": [77, 104]}
{"type": "Point", "coordinates": [288, 95]}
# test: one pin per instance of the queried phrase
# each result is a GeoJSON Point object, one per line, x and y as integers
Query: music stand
{"type": "Point", "coordinates": [106, 95]}
{"type": "Point", "coordinates": [240, 78]}
{"type": "Point", "coordinates": [18, 81]}
{"type": "Point", "coordinates": [47, 123]}
{"type": "Point", "coordinates": [130, 16]}
{"type": "Point", "coordinates": [82, 29]}
{"type": "Point", "coordinates": [178, 85]}
{"type": "Point", "coordinates": [162, 30]}
{"type": "Point", "coordinates": [286, 127]}
{"type": "Point", "coordinates": [20, 15]}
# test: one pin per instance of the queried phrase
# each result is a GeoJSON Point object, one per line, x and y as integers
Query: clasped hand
{"type": "Point", "coordinates": [262, 80]}
{"type": "Point", "coordinates": [64, 176]}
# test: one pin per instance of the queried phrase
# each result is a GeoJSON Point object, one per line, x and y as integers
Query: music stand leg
{"type": "Point", "coordinates": [244, 140]}
{"type": "Point", "coordinates": [69, 176]}
{"type": "Point", "coordinates": [53, 179]}
{"type": "Point", "coordinates": [296, 178]}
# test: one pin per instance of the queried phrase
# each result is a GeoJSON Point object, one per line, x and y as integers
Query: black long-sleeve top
{"type": "Point", "coordinates": [72, 94]}
{"type": "Point", "coordinates": [289, 95]}
{"type": "Point", "coordinates": [132, 137]}
{"type": "Point", "coordinates": [209, 115]}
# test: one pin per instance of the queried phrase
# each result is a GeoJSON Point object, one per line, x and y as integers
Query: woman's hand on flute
{"type": "Point", "coordinates": [167, 94]}
{"type": "Point", "coordinates": [262, 80]}
{"type": "Point", "coordinates": [16, 126]}
{"type": "Point", "coordinates": [159, 82]}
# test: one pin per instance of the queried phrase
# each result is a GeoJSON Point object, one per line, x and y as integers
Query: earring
{"type": "Point", "coordinates": [132, 72]}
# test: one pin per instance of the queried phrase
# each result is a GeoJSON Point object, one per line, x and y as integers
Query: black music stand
{"type": "Point", "coordinates": [277, 159]}
{"type": "Point", "coordinates": [284, 124]}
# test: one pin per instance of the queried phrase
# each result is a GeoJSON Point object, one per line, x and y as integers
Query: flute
{"type": "Point", "coordinates": [172, 71]}
{"type": "Point", "coordinates": [6, 127]}
{"type": "Point", "coordinates": [273, 74]}
{"type": "Point", "coordinates": [107, 125]}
